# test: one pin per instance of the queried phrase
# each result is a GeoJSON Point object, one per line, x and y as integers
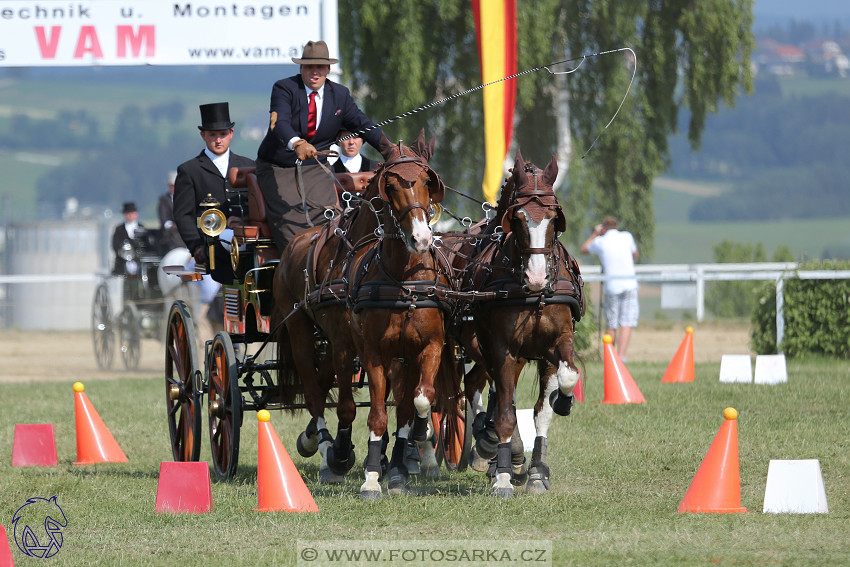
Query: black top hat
{"type": "Point", "coordinates": [129, 207]}
{"type": "Point", "coordinates": [216, 116]}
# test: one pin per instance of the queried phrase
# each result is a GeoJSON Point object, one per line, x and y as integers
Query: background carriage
{"type": "Point", "coordinates": [127, 309]}
{"type": "Point", "coordinates": [236, 383]}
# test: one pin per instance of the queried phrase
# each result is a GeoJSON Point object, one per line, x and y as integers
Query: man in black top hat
{"type": "Point", "coordinates": [125, 233]}
{"type": "Point", "coordinates": [205, 175]}
{"type": "Point", "coordinates": [306, 112]}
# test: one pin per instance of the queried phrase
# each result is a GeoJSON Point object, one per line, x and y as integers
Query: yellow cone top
{"type": "Point", "coordinates": [607, 339]}
{"type": "Point", "coordinates": [730, 413]}
{"type": "Point", "coordinates": [689, 330]}
{"type": "Point", "coordinates": [78, 387]}
{"type": "Point", "coordinates": [263, 415]}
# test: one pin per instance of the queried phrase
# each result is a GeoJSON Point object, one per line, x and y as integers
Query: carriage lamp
{"type": "Point", "coordinates": [436, 213]}
{"type": "Point", "coordinates": [212, 222]}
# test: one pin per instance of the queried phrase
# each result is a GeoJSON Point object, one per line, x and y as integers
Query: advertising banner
{"type": "Point", "coordinates": [63, 33]}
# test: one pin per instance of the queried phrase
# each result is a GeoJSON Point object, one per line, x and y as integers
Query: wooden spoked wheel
{"type": "Point", "coordinates": [183, 387]}
{"type": "Point", "coordinates": [102, 331]}
{"type": "Point", "coordinates": [129, 333]}
{"type": "Point", "coordinates": [454, 437]}
{"type": "Point", "coordinates": [224, 405]}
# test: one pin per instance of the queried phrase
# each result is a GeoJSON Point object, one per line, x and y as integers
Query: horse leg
{"type": "Point", "coordinates": [505, 422]}
{"type": "Point", "coordinates": [377, 424]}
{"type": "Point", "coordinates": [422, 432]}
{"type": "Point", "coordinates": [483, 430]}
{"type": "Point", "coordinates": [341, 455]}
{"type": "Point", "coordinates": [556, 386]}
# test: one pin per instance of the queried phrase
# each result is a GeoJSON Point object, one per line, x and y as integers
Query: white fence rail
{"type": "Point", "coordinates": [697, 274]}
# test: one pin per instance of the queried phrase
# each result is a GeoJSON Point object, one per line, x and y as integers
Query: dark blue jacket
{"type": "Point", "coordinates": [288, 119]}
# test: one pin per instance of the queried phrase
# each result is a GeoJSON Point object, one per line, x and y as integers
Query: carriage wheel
{"type": "Point", "coordinates": [224, 405]}
{"type": "Point", "coordinates": [454, 441]}
{"type": "Point", "coordinates": [102, 333]}
{"type": "Point", "coordinates": [182, 384]}
{"type": "Point", "coordinates": [130, 336]}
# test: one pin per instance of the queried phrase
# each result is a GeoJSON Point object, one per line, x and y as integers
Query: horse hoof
{"type": "Point", "coordinates": [431, 472]}
{"type": "Point", "coordinates": [397, 484]}
{"type": "Point", "coordinates": [504, 493]}
{"type": "Point", "coordinates": [370, 495]}
{"type": "Point", "coordinates": [536, 487]}
{"type": "Point", "coordinates": [307, 446]}
{"type": "Point", "coordinates": [337, 466]}
{"type": "Point", "coordinates": [327, 476]}
{"type": "Point", "coordinates": [477, 463]}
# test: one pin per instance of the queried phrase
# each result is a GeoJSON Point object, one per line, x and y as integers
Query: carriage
{"type": "Point", "coordinates": [373, 290]}
{"type": "Point", "coordinates": [232, 380]}
{"type": "Point", "coordinates": [129, 308]}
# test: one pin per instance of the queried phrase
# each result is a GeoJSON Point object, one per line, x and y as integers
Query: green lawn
{"type": "Point", "coordinates": [618, 474]}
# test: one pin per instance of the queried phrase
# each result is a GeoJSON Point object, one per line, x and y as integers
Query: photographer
{"type": "Point", "coordinates": [617, 253]}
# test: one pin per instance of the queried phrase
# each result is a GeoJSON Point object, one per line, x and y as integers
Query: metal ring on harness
{"type": "Point", "coordinates": [329, 214]}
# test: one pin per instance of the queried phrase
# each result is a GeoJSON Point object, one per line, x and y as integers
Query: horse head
{"type": "Point", "coordinates": [408, 184]}
{"type": "Point", "coordinates": [530, 210]}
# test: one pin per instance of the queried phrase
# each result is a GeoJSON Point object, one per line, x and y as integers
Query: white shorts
{"type": "Point", "coordinates": [622, 309]}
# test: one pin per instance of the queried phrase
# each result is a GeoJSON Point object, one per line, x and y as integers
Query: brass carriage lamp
{"type": "Point", "coordinates": [212, 222]}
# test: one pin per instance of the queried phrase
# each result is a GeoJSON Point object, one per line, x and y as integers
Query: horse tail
{"type": "Point", "coordinates": [447, 382]}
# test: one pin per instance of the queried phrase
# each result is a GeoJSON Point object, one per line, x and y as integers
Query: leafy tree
{"type": "Point", "coordinates": [400, 55]}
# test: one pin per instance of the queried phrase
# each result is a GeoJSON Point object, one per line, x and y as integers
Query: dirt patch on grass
{"type": "Point", "coordinates": [32, 356]}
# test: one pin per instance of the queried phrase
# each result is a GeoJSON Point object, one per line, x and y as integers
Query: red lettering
{"type": "Point", "coordinates": [88, 42]}
{"type": "Point", "coordinates": [48, 44]}
{"type": "Point", "coordinates": [146, 36]}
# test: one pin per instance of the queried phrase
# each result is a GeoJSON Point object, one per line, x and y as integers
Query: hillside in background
{"type": "Point", "coordinates": [774, 165]}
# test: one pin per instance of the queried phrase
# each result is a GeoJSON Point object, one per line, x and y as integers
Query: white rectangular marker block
{"type": "Point", "coordinates": [795, 487]}
{"type": "Point", "coordinates": [736, 368]}
{"type": "Point", "coordinates": [525, 423]}
{"type": "Point", "coordinates": [770, 369]}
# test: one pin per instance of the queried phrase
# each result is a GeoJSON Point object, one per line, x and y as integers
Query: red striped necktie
{"type": "Point", "coordinates": [311, 116]}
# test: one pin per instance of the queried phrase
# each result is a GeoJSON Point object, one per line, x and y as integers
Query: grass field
{"type": "Point", "coordinates": [618, 475]}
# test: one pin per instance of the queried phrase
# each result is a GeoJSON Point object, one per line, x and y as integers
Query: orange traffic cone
{"type": "Point", "coordinates": [95, 444]}
{"type": "Point", "coordinates": [620, 387]}
{"type": "Point", "coordinates": [5, 551]}
{"type": "Point", "coordinates": [717, 485]}
{"type": "Point", "coordinates": [681, 368]}
{"type": "Point", "coordinates": [279, 484]}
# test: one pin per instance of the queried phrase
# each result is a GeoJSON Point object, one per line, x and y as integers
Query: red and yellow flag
{"type": "Point", "coordinates": [495, 28]}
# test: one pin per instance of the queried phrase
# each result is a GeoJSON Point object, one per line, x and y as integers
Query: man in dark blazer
{"type": "Point", "coordinates": [350, 160]}
{"type": "Point", "coordinates": [302, 123]}
{"type": "Point", "coordinates": [205, 175]}
{"type": "Point", "coordinates": [126, 233]}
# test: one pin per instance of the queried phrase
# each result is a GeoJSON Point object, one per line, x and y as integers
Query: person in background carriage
{"type": "Point", "coordinates": [169, 236]}
{"type": "Point", "coordinates": [350, 159]}
{"type": "Point", "coordinates": [123, 242]}
{"type": "Point", "coordinates": [617, 253]}
{"type": "Point", "coordinates": [206, 174]}
{"type": "Point", "coordinates": [305, 113]}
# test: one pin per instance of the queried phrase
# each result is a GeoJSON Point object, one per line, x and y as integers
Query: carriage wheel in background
{"type": "Point", "coordinates": [102, 333]}
{"type": "Point", "coordinates": [182, 384]}
{"type": "Point", "coordinates": [454, 437]}
{"type": "Point", "coordinates": [224, 405]}
{"type": "Point", "coordinates": [130, 339]}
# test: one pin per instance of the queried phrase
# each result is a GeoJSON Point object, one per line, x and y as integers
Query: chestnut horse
{"type": "Point", "coordinates": [400, 314]}
{"type": "Point", "coordinates": [317, 276]}
{"type": "Point", "coordinates": [527, 295]}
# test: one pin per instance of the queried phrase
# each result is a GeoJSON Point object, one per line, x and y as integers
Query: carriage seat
{"type": "Point", "coordinates": [353, 182]}
{"type": "Point", "coordinates": [255, 224]}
